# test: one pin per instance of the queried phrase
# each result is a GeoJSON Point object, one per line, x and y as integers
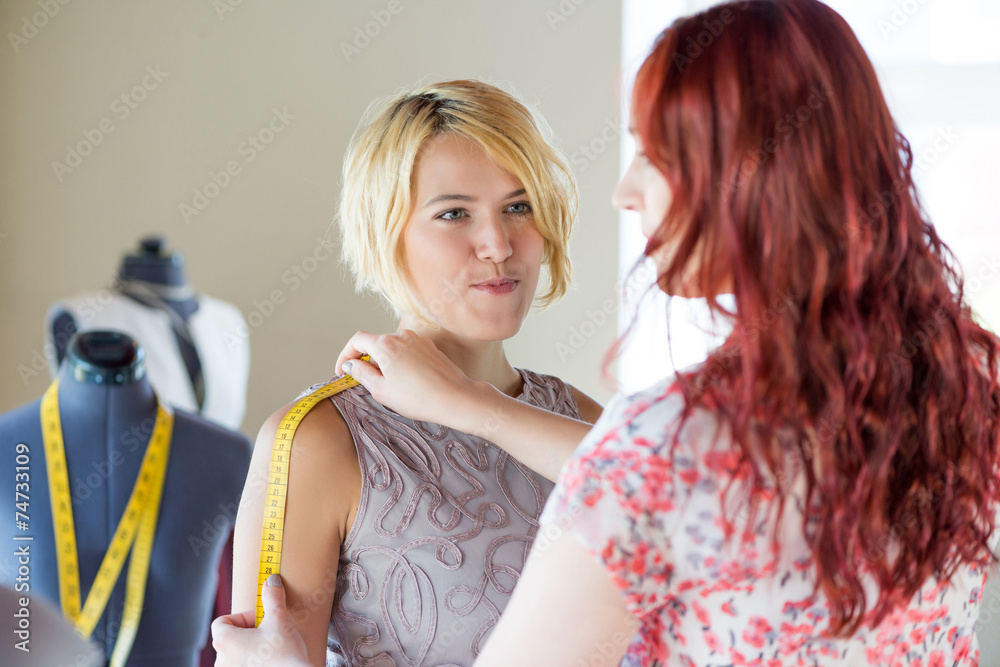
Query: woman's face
{"type": "Point", "coordinates": [645, 190]}
{"type": "Point", "coordinates": [471, 248]}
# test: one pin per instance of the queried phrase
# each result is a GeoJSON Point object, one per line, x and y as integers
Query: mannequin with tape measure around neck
{"type": "Point", "coordinates": [121, 450]}
{"type": "Point", "coordinates": [197, 359]}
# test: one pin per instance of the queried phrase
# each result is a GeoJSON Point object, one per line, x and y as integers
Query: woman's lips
{"type": "Point", "coordinates": [497, 287]}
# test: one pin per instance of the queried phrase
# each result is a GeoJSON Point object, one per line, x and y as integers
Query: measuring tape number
{"type": "Point", "coordinates": [277, 481]}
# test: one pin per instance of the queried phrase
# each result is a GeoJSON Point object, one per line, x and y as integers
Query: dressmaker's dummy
{"type": "Point", "coordinates": [197, 347]}
{"type": "Point", "coordinates": [108, 409]}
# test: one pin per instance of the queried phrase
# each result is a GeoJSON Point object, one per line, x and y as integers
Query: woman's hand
{"type": "Point", "coordinates": [276, 642]}
{"type": "Point", "coordinates": [408, 374]}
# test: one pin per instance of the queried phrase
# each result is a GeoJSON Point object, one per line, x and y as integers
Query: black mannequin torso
{"type": "Point", "coordinates": [162, 273]}
{"type": "Point", "coordinates": [106, 427]}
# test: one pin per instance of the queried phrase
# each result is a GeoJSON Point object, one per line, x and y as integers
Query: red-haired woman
{"type": "Point", "coordinates": [824, 488]}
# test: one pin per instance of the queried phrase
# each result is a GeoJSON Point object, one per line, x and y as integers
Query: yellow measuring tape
{"type": "Point", "coordinates": [135, 531]}
{"type": "Point", "coordinates": [277, 481]}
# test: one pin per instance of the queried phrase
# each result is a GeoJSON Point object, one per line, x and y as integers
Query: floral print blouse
{"type": "Point", "coordinates": [656, 524]}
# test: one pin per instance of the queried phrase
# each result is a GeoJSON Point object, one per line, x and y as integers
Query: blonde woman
{"type": "Point", "coordinates": [822, 490]}
{"type": "Point", "coordinates": [403, 539]}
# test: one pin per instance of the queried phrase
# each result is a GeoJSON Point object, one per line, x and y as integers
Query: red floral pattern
{"type": "Point", "coordinates": [653, 515]}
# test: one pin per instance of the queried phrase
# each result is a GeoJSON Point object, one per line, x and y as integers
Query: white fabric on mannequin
{"type": "Point", "coordinates": [215, 328]}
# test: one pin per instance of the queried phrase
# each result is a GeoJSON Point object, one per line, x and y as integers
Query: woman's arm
{"type": "Point", "coordinates": [324, 485]}
{"type": "Point", "coordinates": [415, 379]}
{"type": "Point", "coordinates": [565, 611]}
{"type": "Point", "coordinates": [540, 439]}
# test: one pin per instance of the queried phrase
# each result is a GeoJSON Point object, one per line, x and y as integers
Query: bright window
{"type": "Point", "coordinates": [939, 65]}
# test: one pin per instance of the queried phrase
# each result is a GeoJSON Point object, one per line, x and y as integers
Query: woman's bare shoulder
{"type": "Point", "coordinates": [590, 409]}
{"type": "Point", "coordinates": [324, 476]}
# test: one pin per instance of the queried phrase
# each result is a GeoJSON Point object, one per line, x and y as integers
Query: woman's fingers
{"type": "Point", "coordinates": [236, 641]}
{"type": "Point", "coordinates": [244, 619]}
{"type": "Point", "coordinates": [358, 345]}
{"type": "Point", "coordinates": [407, 373]}
{"type": "Point", "coordinates": [381, 348]}
{"type": "Point", "coordinates": [228, 635]}
{"type": "Point", "coordinates": [272, 596]}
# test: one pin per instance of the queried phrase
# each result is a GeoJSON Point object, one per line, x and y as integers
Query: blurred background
{"type": "Point", "coordinates": [221, 125]}
{"type": "Point", "coordinates": [188, 88]}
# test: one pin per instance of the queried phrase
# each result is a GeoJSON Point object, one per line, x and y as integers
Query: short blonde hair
{"type": "Point", "coordinates": [375, 201]}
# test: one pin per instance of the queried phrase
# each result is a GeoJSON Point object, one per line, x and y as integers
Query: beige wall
{"type": "Point", "coordinates": [225, 66]}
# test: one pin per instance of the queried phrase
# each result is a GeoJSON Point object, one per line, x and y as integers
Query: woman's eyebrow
{"type": "Point", "coordinates": [441, 198]}
{"type": "Point", "coordinates": [468, 198]}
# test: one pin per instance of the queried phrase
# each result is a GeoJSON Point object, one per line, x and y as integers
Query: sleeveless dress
{"type": "Point", "coordinates": [444, 525]}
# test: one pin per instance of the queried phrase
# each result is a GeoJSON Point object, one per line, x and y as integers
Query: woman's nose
{"type": "Point", "coordinates": [624, 196]}
{"type": "Point", "coordinates": [628, 194]}
{"type": "Point", "coordinates": [493, 240]}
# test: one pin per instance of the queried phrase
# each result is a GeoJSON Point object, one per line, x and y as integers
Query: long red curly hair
{"type": "Point", "coordinates": [791, 179]}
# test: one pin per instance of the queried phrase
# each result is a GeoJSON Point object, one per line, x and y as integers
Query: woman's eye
{"type": "Point", "coordinates": [520, 208]}
{"type": "Point", "coordinates": [453, 214]}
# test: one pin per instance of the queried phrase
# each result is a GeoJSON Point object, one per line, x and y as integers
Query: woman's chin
{"type": "Point", "coordinates": [497, 330]}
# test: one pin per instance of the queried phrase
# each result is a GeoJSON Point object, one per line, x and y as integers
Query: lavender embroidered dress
{"type": "Point", "coordinates": [443, 529]}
